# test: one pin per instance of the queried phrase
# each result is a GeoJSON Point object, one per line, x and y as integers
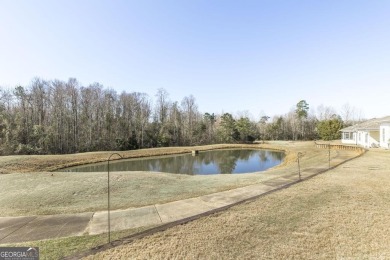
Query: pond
{"type": "Point", "coordinates": [207, 162]}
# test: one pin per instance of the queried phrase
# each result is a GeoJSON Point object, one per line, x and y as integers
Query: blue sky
{"type": "Point", "coordinates": [259, 56]}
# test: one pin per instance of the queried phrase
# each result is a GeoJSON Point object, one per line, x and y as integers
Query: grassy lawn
{"type": "Point", "coordinates": [30, 189]}
{"type": "Point", "coordinates": [33, 192]}
{"type": "Point", "coordinates": [61, 247]}
{"type": "Point", "coordinates": [341, 214]}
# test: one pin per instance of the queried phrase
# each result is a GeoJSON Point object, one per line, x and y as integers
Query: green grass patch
{"type": "Point", "coordinates": [61, 247]}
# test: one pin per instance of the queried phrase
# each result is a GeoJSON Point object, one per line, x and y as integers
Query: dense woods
{"type": "Point", "coordinates": [55, 117]}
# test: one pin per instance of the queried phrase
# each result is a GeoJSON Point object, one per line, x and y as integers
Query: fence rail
{"type": "Point", "coordinates": [340, 147]}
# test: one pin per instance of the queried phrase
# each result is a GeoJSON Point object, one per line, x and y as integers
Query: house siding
{"type": "Point", "coordinates": [362, 138]}
{"type": "Point", "coordinates": [371, 133]}
{"type": "Point", "coordinates": [373, 138]}
{"type": "Point", "coordinates": [368, 138]}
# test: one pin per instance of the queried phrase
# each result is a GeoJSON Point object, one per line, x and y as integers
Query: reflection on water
{"type": "Point", "coordinates": [209, 162]}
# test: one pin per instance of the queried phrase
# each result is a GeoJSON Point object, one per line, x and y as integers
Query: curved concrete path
{"type": "Point", "coordinates": [30, 228]}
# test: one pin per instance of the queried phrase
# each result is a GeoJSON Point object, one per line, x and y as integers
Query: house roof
{"type": "Point", "coordinates": [372, 124]}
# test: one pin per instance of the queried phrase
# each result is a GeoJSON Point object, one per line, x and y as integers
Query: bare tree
{"type": "Point", "coordinates": [325, 112]}
{"type": "Point", "coordinates": [163, 103]}
{"type": "Point", "coordinates": [65, 117]}
{"type": "Point", "coordinates": [190, 115]}
{"type": "Point", "coordinates": [351, 114]}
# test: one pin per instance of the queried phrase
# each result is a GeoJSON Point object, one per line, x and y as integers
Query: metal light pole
{"type": "Point", "coordinates": [299, 166]}
{"type": "Point", "coordinates": [108, 194]}
{"type": "Point", "coordinates": [329, 156]}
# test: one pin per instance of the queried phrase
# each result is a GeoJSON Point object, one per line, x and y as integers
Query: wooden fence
{"type": "Point", "coordinates": [340, 147]}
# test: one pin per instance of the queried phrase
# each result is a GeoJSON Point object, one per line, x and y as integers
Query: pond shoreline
{"type": "Point", "coordinates": [51, 163]}
{"type": "Point", "coordinates": [216, 161]}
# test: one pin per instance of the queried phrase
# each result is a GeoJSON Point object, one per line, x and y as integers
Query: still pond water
{"type": "Point", "coordinates": [208, 162]}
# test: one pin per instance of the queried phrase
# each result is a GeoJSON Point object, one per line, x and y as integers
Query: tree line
{"type": "Point", "coordinates": [57, 117]}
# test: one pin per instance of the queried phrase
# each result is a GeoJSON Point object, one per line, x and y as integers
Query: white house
{"type": "Point", "coordinates": [372, 133]}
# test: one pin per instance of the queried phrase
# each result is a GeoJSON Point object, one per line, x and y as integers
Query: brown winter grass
{"type": "Point", "coordinates": [31, 189]}
{"type": "Point", "coordinates": [60, 247]}
{"type": "Point", "coordinates": [341, 214]}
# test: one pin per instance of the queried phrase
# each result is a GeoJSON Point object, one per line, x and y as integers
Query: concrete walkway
{"type": "Point", "coordinates": [30, 228]}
